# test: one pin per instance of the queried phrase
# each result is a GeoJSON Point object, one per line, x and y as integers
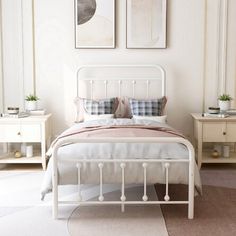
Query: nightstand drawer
{"type": "Point", "coordinates": [214, 132]}
{"type": "Point", "coordinates": [30, 133]}
{"type": "Point", "coordinates": [10, 133]}
{"type": "Point", "coordinates": [20, 133]}
{"type": "Point", "coordinates": [231, 132]}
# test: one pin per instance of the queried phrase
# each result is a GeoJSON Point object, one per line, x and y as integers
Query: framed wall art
{"type": "Point", "coordinates": [146, 23]}
{"type": "Point", "coordinates": [94, 23]}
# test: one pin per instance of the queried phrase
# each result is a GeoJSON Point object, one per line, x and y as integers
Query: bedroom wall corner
{"type": "Point", "coordinates": [1, 63]}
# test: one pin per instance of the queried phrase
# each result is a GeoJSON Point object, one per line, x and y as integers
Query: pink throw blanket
{"type": "Point", "coordinates": [120, 131]}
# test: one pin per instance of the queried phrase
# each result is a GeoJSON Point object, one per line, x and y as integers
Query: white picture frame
{"type": "Point", "coordinates": [146, 23]}
{"type": "Point", "coordinates": [94, 23]}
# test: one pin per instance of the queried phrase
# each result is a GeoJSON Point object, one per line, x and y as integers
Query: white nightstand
{"type": "Point", "coordinates": [32, 129]}
{"type": "Point", "coordinates": [213, 130]}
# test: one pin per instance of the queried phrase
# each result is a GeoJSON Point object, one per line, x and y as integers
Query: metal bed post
{"type": "Point", "coordinates": [191, 182]}
{"type": "Point", "coordinates": [55, 183]}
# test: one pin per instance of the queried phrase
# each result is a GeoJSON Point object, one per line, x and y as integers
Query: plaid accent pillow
{"type": "Point", "coordinates": [100, 107]}
{"type": "Point", "coordinates": [149, 107]}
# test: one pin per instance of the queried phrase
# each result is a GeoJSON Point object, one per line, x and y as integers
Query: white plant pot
{"type": "Point", "coordinates": [31, 105]}
{"type": "Point", "coordinates": [224, 105]}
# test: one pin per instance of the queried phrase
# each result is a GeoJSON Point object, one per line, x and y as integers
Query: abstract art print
{"type": "Point", "coordinates": [146, 23]}
{"type": "Point", "coordinates": [95, 23]}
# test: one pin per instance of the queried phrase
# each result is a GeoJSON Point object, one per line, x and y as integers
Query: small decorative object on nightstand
{"type": "Point", "coordinates": [31, 102]}
{"type": "Point", "coordinates": [220, 132]}
{"type": "Point", "coordinates": [32, 129]}
{"type": "Point", "coordinates": [224, 102]}
{"type": "Point", "coordinates": [213, 110]}
{"type": "Point", "coordinates": [29, 151]}
{"type": "Point", "coordinates": [215, 154]}
{"type": "Point", "coordinates": [13, 110]}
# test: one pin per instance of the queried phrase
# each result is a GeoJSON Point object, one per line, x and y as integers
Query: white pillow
{"type": "Point", "coordinates": [161, 119]}
{"type": "Point", "coordinates": [88, 117]}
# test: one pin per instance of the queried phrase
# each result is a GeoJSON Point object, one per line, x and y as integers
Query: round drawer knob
{"type": "Point", "coordinates": [224, 133]}
{"type": "Point", "coordinates": [18, 133]}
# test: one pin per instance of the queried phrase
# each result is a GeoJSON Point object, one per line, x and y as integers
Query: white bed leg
{"type": "Point", "coordinates": [55, 207]}
{"type": "Point", "coordinates": [191, 184]}
{"type": "Point", "coordinates": [55, 189]}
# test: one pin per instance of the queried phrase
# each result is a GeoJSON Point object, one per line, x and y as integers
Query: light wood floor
{"type": "Point", "coordinates": [21, 167]}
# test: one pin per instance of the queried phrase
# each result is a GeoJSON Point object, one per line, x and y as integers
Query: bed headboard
{"type": "Point", "coordinates": [137, 81]}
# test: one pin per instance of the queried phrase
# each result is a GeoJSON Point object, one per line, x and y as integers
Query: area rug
{"type": "Point", "coordinates": [22, 212]}
{"type": "Point", "coordinates": [109, 220]}
{"type": "Point", "coordinates": [215, 212]}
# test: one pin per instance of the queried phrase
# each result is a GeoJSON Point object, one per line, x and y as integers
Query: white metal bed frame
{"type": "Point", "coordinates": [143, 162]}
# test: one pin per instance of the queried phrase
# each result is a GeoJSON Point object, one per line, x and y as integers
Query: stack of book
{"type": "Point", "coordinates": [220, 115]}
{"type": "Point", "coordinates": [39, 112]}
{"type": "Point", "coordinates": [19, 115]}
{"type": "Point", "coordinates": [231, 112]}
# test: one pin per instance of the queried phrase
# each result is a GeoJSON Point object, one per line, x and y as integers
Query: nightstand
{"type": "Point", "coordinates": [213, 130]}
{"type": "Point", "coordinates": [32, 129]}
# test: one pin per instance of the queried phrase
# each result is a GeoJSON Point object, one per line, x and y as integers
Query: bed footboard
{"type": "Point", "coordinates": [122, 163]}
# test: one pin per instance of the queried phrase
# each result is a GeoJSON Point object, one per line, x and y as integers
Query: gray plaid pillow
{"type": "Point", "coordinates": [100, 107]}
{"type": "Point", "coordinates": [149, 107]}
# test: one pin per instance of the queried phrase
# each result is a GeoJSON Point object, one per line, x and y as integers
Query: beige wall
{"type": "Point", "coordinates": [194, 59]}
{"type": "Point", "coordinates": [1, 67]}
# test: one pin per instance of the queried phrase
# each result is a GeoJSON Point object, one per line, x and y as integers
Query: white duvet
{"type": "Point", "coordinates": [67, 173]}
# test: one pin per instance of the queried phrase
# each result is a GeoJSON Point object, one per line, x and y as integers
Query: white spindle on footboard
{"type": "Point", "coordinates": [78, 165]}
{"type": "Point", "coordinates": [145, 197]}
{"type": "Point", "coordinates": [100, 166]}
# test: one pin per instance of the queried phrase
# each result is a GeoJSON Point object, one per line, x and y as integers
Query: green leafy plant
{"type": "Point", "coordinates": [31, 97]}
{"type": "Point", "coordinates": [225, 97]}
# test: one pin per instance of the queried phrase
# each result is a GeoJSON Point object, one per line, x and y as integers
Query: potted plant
{"type": "Point", "coordinates": [224, 102]}
{"type": "Point", "coordinates": [31, 102]}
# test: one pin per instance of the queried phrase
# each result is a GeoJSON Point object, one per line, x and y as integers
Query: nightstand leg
{"type": "Point", "coordinates": [195, 147]}
{"type": "Point", "coordinates": [199, 155]}
{"type": "Point", "coordinates": [5, 148]}
{"type": "Point", "coordinates": [43, 153]}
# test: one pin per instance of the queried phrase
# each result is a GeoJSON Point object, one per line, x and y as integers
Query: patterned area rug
{"type": "Point", "coordinates": [215, 211]}
{"type": "Point", "coordinates": [109, 220]}
{"type": "Point", "coordinates": [22, 211]}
